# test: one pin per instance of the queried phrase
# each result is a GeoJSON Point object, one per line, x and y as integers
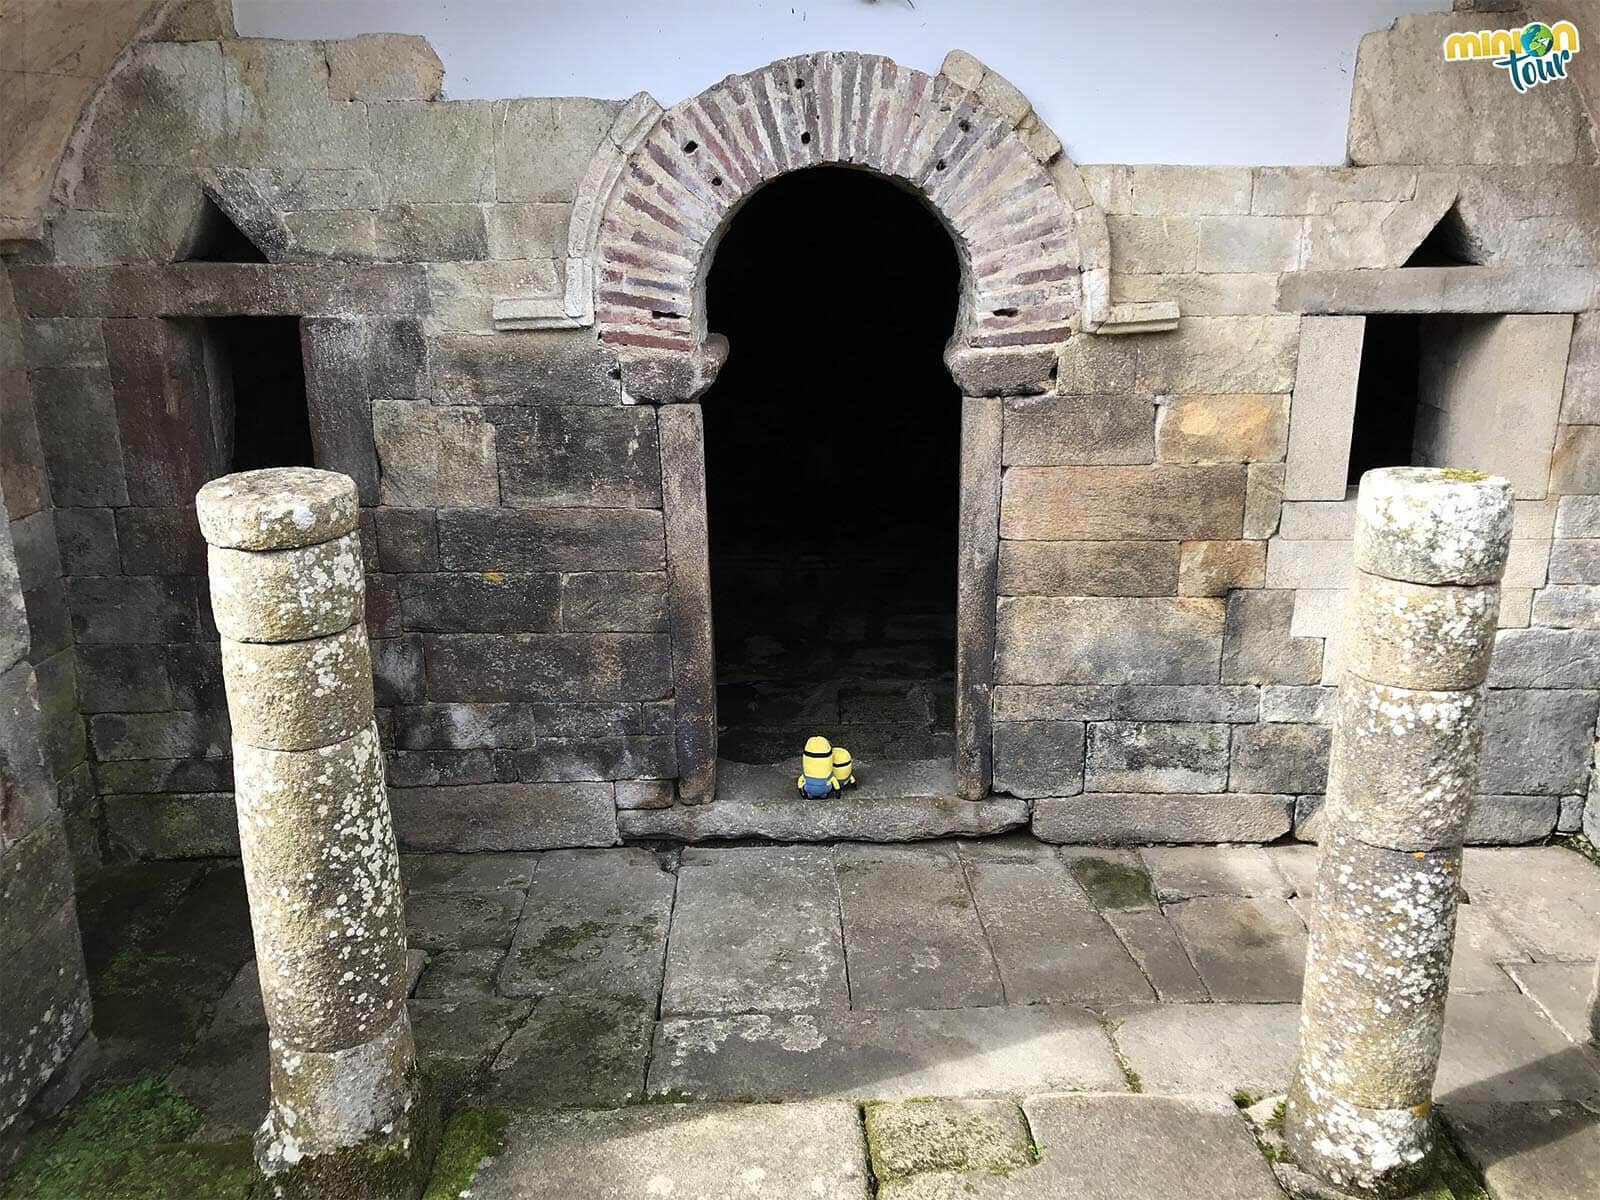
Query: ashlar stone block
{"type": "Point", "coordinates": [1222, 429]}
{"type": "Point", "coordinates": [435, 457]}
{"type": "Point", "coordinates": [1127, 756]}
{"type": "Point", "coordinates": [1101, 640]}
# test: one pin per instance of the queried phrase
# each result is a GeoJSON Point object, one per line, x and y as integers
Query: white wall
{"type": "Point", "coordinates": [1176, 81]}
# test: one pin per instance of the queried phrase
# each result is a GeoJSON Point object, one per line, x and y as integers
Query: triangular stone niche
{"type": "Point", "coordinates": [217, 239]}
{"type": "Point", "coordinates": [1448, 244]}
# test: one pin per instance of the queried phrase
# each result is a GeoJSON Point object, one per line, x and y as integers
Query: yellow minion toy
{"type": "Point", "coordinates": [843, 772]}
{"type": "Point", "coordinates": [816, 770]}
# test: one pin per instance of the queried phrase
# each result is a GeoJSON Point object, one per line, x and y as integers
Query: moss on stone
{"type": "Point", "coordinates": [126, 1143]}
{"type": "Point", "coordinates": [1579, 844]}
{"type": "Point", "coordinates": [1112, 884]}
{"type": "Point", "coordinates": [1459, 475]}
{"type": "Point", "coordinates": [472, 1135]}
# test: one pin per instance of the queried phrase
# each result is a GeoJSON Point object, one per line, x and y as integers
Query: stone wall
{"type": "Point", "coordinates": [1170, 550]}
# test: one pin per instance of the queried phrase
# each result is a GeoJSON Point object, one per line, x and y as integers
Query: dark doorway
{"type": "Point", "coordinates": [1385, 429]}
{"type": "Point", "coordinates": [261, 370]}
{"type": "Point", "coordinates": [832, 467]}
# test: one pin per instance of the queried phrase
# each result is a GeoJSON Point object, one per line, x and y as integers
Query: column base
{"type": "Point", "coordinates": [1379, 1152]}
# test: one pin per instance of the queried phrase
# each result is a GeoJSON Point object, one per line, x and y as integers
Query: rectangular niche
{"type": "Point", "coordinates": [258, 381]}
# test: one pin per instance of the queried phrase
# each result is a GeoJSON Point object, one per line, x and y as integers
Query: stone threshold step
{"type": "Point", "coordinates": [894, 802]}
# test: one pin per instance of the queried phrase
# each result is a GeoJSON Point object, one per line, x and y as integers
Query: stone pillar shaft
{"type": "Point", "coordinates": [1430, 547]}
{"type": "Point", "coordinates": [320, 860]}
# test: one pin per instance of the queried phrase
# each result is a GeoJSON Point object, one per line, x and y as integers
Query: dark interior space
{"type": "Point", "coordinates": [217, 239]}
{"type": "Point", "coordinates": [1386, 394]}
{"type": "Point", "coordinates": [832, 463]}
{"type": "Point", "coordinates": [259, 358]}
{"type": "Point", "coordinates": [1448, 244]}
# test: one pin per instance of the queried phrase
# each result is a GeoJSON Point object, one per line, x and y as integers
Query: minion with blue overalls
{"type": "Point", "coordinates": [816, 770]}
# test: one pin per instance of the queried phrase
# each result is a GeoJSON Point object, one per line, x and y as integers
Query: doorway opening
{"type": "Point", "coordinates": [832, 440]}
{"type": "Point", "coordinates": [259, 369]}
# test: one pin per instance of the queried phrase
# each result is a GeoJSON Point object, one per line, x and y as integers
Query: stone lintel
{"type": "Point", "coordinates": [208, 289]}
{"type": "Point", "coordinates": [1442, 290]}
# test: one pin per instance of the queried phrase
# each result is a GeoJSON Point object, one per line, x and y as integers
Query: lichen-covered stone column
{"type": "Point", "coordinates": [319, 853]}
{"type": "Point", "coordinates": [1430, 547]}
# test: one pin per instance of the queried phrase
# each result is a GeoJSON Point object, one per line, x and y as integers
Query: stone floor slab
{"type": "Point", "coordinates": [1192, 872]}
{"type": "Point", "coordinates": [915, 1137]}
{"type": "Point", "coordinates": [460, 974]}
{"type": "Point", "coordinates": [1546, 897]}
{"type": "Point", "coordinates": [1049, 943]}
{"type": "Point", "coordinates": [1116, 880]}
{"type": "Point", "coordinates": [595, 923]}
{"type": "Point", "coordinates": [912, 935]}
{"type": "Point", "coordinates": [1247, 949]}
{"type": "Point", "coordinates": [1298, 866]}
{"type": "Point", "coordinates": [755, 930]}
{"type": "Point", "coordinates": [883, 1056]}
{"type": "Point", "coordinates": [682, 1151]}
{"type": "Point", "coordinates": [1500, 1048]}
{"type": "Point", "coordinates": [1209, 1048]}
{"type": "Point", "coordinates": [458, 1038]}
{"type": "Point", "coordinates": [1481, 947]}
{"type": "Point", "coordinates": [428, 873]}
{"type": "Point", "coordinates": [462, 920]}
{"type": "Point", "coordinates": [1547, 1151]}
{"type": "Point", "coordinates": [1154, 945]}
{"type": "Point", "coordinates": [588, 1050]}
{"type": "Point", "coordinates": [1561, 990]}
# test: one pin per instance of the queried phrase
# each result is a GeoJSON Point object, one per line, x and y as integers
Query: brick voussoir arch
{"type": "Point", "coordinates": [682, 183]}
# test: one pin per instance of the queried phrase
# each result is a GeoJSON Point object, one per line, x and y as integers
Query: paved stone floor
{"type": "Point", "coordinates": [1092, 1011]}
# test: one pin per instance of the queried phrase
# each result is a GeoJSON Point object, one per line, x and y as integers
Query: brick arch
{"type": "Point", "coordinates": [965, 157]}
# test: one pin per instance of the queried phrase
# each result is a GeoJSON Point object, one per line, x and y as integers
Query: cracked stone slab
{"type": "Point", "coordinates": [755, 930]}
{"type": "Point", "coordinates": [590, 1050]}
{"type": "Point", "coordinates": [1192, 872]}
{"type": "Point", "coordinates": [914, 1137]}
{"type": "Point", "coordinates": [462, 920]}
{"type": "Point", "coordinates": [460, 974]}
{"type": "Point", "coordinates": [1049, 943]}
{"type": "Point", "coordinates": [912, 934]}
{"type": "Point", "coordinates": [883, 1056]}
{"type": "Point", "coordinates": [1481, 949]}
{"type": "Point", "coordinates": [1548, 1151]}
{"type": "Point", "coordinates": [428, 873]}
{"type": "Point", "coordinates": [1561, 990]}
{"type": "Point", "coordinates": [1208, 1048]}
{"type": "Point", "coordinates": [595, 923]}
{"type": "Point", "coordinates": [1500, 1048]}
{"type": "Point", "coordinates": [1245, 948]}
{"type": "Point", "coordinates": [457, 1038]}
{"type": "Point", "coordinates": [1547, 898]}
{"type": "Point", "coordinates": [684, 1151]}
{"type": "Point", "coordinates": [1119, 1147]}
{"type": "Point", "coordinates": [1155, 946]}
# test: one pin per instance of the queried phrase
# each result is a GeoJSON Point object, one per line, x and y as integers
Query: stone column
{"type": "Point", "coordinates": [319, 853]}
{"type": "Point", "coordinates": [1430, 546]}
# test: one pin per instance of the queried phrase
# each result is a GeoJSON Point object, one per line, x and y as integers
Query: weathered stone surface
{"type": "Point", "coordinates": [1222, 429]}
{"type": "Point", "coordinates": [1416, 636]}
{"type": "Point", "coordinates": [532, 368]}
{"type": "Point", "coordinates": [125, 610]}
{"type": "Point", "coordinates": [586, 1050]}
{"type": "Point", "coordinates": [1088, 568]}
{"type": "Point", "coordinates": [1049, 944]}
{"type": "Point", "coordinates": [408, 539]}
{"type": "Point", "coordinates": [1113, 503]}
{"type": "Point", "coordinates": [916, 1137]}
{"type": "Point", "coordinates": [1206, 1048]}
{"type": "Point", "coordinates": [287, 595]}
{"type": "Point", "coordinates": [1546, 658]}
{"type": "Point", "coordinates": [505, 816]}
{"type": "Point", "coordinates": [1215, 568]}
{"type": "Point", "coordinates": [1249, 949]}
{"type": "Point", "coordinates": [906, 911]}
{"type": "Point", "coordinates": [1500, 1047]}
{"type": "Point", "coordinates": [1154, 945]}
{"type": "Point", "coordinates": [596, 924]}
{"type": "Point", "coordinates": [755, 930]}
{"type": "Point", "coordinates": [1427, 526]}
{"type": "Point", "coordinates": [1156, 757]}
{"type": "Point", "coordinates": [1263, 498]}
{"type": "Point", "coordinates": [1126, 702]}
{"type": "Point", "coordinates": [883, 1055]}
{"type": "Point", "coordinates": [1038, 758]}
{"type": "Point", "coordinates": [383, 66]}
{"type": "Point", "coordinates": [552, 539]}
{"type": "Point", "coordinates": [279, 111]}
{"type": "Point", "coordinates": [1546, 899]}
{"type": "Point", "coordinates": [459, 1036]}
{"type": "Point", "coordinates": [1279, 757]}
{"type": "Point", "coordinates": [1549, 1150]}
{"type": "Point", "coordinates": [1090, 640]}
{"type": "Point", "coordinates": [793, 1152]}
{"type": "Point", "coordinates": [1404, 765]}
{"type": "Point", "coordinates": [539, 666]}
{"type": "Point", "coordinates": [1189, 873]}
{"type": "Point", "coordinates": [465, 920]}
{"type": "Point", "coordinates": [435, 457]}
{"type": "Point", "coordinates": [277, 509]}
{"type": "Point", "coordinates": [440, 234]}
{"type": "Point", "coordinates": [434, 153]}
{"type": "Point", "coordinates": [542, 146]}
{"type": "Point", "coordinates": [1536, 742]}
{"type": "Point", "coordinates": [1079, 431]}
{"type": "Point", "coordinates": [1257, 646]}
{"type": "Point", "coordinates": [1116, 818]}
{"type": "Point", "coordinates": [343, 925]}
{"type": "Point", "coordinates": [1561, 990]}
{"type": "Point", "coordinates": [570, 456]}
{"type": "Point", "coordinates": [480, 602]}
{"type": "Point", "coordinates": [77, 429]}
{"type": "Point", "coordinates": [614, 601]}
{"type": "Point", "coordinates": [274, 710]}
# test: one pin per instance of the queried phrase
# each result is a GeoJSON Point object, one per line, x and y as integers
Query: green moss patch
{"type": "Point", "coordinates": [126, 1143]}
{"type": "Point", "coordinates": [1113, 884]}
{"type": "Point", "coordinates": [1579, 844]}
{"type": "Point", "coordinates": [472, 1135]}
